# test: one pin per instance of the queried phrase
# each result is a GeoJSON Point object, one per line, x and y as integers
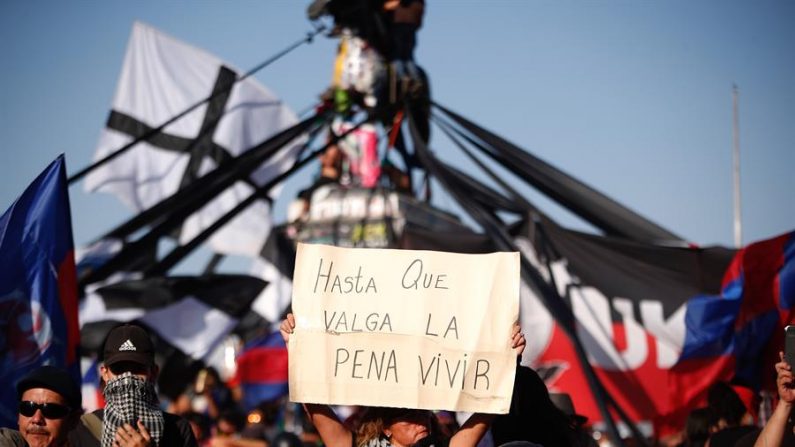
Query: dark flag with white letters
{"type": "Point", "coordinates": [659, 324]}
{"type": "Point", "coordinates": [639, 313]}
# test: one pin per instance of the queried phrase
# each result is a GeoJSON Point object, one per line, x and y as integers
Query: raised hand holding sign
{"type": "Point", "coordinates": [403, 328]}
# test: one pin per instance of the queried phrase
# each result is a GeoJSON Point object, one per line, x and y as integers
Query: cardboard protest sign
{"type": "Point", "coordinates": [403, 328]}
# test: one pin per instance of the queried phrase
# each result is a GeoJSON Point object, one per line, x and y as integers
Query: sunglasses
{"type": "Point", "coordinates": [49, 410]}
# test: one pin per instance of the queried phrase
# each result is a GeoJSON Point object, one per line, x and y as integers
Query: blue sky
{"type": "Point", "coordinates": [631, 97]}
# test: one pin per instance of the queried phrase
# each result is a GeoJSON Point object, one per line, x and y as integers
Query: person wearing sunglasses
{"type": "Point", "coordinates": [49, 407]}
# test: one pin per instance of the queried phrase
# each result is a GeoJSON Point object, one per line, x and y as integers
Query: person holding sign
{"type": "Point", "coordinates": [395, 427]}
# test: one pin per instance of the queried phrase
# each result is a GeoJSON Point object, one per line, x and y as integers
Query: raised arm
{"type": "Point", "coordinates": [473, 430]}
{"type": "Point", "coordinates": [332, 431]}
{"type": "Point", "coordinates": [772, 434]}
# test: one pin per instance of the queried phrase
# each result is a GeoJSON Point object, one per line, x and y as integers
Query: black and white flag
{"type": "Point", "coordinates": [192, 313]}
{"type": "Point", "coordinates": [161, 78]}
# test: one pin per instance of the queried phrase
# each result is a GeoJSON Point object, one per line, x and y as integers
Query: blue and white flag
{"type": "Point", "coordinates": [38, 286]}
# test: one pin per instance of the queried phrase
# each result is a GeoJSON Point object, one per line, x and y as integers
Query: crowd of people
{"type": "Point", "coordinates": [730, 420]}
{"type": "Point", "coordinates": [50, 413]}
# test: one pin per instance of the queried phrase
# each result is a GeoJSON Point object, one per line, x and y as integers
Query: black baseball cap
{"type": "Point", "coordinates": [564, 403]}
{"type": "Point", "coordinates": [54, 379]}
{"type": "Point", "coordinates": [128, 343]}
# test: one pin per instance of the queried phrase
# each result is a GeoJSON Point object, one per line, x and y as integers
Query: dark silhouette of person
{"type": "Point", "coordinates": [533, 417]}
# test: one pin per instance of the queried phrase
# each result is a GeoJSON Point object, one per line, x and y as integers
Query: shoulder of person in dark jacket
{"type": "Point", "coordinates": [176, 432]}
{"type": "Point", "coordinates": [11, 437]}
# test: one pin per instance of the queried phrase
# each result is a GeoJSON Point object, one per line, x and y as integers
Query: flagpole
{"type": "Point", "coordinates": [172, 211]}
{"type": "Point", "coordinates": [738, 229]}
{"type": "Point", "coordinates": [544, 239]}
{"type": "Point", "coordinates": [178, 253]}
{"type": "Point", "coordinates": [82, 173]}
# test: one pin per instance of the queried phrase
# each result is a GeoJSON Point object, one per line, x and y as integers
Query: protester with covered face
{"type": "Point", "coordinates": [132, 415]}
{"type": "Point", "coordinates": [49, 407]}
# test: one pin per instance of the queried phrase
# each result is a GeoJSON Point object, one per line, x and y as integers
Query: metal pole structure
{"type": "Point", "coordinates": [738, 226]}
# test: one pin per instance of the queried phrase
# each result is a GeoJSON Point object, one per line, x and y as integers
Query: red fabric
{"type": "Point", "coordinates": [262, 365]}
{"type": "Point", "coordinates": [67, 292]}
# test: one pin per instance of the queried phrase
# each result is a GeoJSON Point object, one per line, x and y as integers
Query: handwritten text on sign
{"type": "Point", "coordinates": [404, 328]}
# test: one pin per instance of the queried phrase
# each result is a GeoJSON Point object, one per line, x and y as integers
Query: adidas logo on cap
{"type": "Point", "coordinates": [127, 346]}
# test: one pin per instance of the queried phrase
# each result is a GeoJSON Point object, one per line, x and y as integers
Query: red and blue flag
{"type": "Point", "coordinates": [647, 315]}
{"type": "Point", "coordinates": [737, 335]}
{"type": "Point", "coordinates": [38, 289]}
{"type": "Point", "coordinates": [262, 370]}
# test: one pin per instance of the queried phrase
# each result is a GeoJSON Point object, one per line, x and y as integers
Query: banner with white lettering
{"type": "Point", "coordinates": [404, 328]}
{"type": "Point", "coordinates": [633, 305]}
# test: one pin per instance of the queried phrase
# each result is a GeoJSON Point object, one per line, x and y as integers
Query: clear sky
{"type": "Point", "coordinates": [632, 97]}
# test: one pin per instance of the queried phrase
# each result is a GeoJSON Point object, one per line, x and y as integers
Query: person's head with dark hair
{"type": "Point", "coordinates": [566, 405]}
{"type": "Point", "coordinates": [697, 427]}
{"type": "Point", "coordinates": [270, 411]}
{"type": "Point", "coordinates": [532, 417]}
{"type": "Point", "coordinates": [728, 407]}
{"type": "Point", "coordinates": [230, 422]}
{"type": "Point", "coordinates": [49, 406]}
{"type": "Point", "coordinates": [402, 426]}
{"type": "Point", "coordinates": [199, 424]}
{"type": "Point", "coordinates": [448, 425]}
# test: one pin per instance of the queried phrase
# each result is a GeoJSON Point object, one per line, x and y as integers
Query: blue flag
{"type": "Point", "coordinates": [38, 288]}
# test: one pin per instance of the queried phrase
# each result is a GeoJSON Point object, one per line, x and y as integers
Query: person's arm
{"type": "Point", "coordinates": [332, 431]}
{"type": "Point", "coordinates": [212, 406]}
{"type": "Point", "coordinates": [772, 434]}
{"type": "Point", "coordinates": [473, 430]}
